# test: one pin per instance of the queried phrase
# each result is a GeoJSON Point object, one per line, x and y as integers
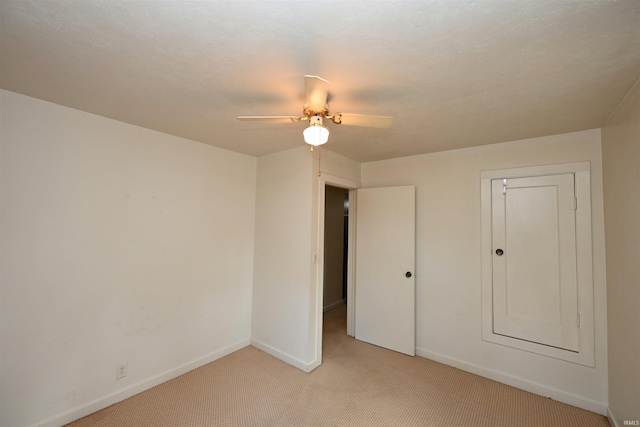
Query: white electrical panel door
{"type": "Point", "coordinates": [385, 262]}
{"type": "Point", "coordinates": [535, 294]}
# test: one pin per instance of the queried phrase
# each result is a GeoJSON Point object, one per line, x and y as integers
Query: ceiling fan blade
{"type": "Point", "coordinates": [380, 122]}
{"type": "Point", "coordinates": [316, 92]}
{"type": "Point", "coordinates": [271, 118]}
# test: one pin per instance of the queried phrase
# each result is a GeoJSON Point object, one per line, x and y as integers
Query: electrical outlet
{"type": "Point", "coordinates": [121, 371]}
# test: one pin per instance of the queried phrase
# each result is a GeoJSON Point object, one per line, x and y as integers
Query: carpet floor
{"type": "Point", "coordinates": [358, 384]}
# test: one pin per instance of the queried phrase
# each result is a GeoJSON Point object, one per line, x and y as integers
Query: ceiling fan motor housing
{"type": "Point", "coordinates": [310, 112]}
{"type": "Point", "coordinates": [315, 120]}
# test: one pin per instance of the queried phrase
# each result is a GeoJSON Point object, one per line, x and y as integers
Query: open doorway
{"type": "Point", "coordinates": [335, 256]}
{"type": "Point", "coordinates": [336, 232]}
{"type": "Point", "coordinates": [345, 249]}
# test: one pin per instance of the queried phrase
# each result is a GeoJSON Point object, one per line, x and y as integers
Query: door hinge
{"type": "Point", "coordinates": [504, 186]}
{"type": "Point", "coordinates": [578, 320]}
{"type": "Point", "coordinates": [575, 203]}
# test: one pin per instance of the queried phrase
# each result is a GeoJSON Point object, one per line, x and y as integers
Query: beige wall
{"type": "Point", "coordinates": [283, 244]}
{"type": "Point", "coordinates": [448, 263]}
{"type": "Point", "coordinates": [621, 175]}
{"type": "Point", "coordinates": [119, 245]}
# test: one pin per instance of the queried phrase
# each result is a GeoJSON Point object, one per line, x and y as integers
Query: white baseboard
{"type": "Point", "coordinates": [96, 405]}
{"type": "Point", "coordinates": [521, 383]}
{"type": "Point", "coordinates": [295, 362]}
{"type": "Point", "coordinates": [333, 305]}
{"type": "Point", "coordinates": [612, 419]}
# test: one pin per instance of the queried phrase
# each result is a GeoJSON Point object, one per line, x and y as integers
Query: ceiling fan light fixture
{"type": "Point", "coordinates": [316, 134]}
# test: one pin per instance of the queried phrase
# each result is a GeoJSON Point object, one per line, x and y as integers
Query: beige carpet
{"type": "Point", "coordinates": [357, 385]}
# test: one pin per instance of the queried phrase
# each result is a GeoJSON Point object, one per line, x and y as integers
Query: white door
{"type": "Point", "coordinates": [385, 261]}
{"type": "Point", "coordinates": [534, 260]}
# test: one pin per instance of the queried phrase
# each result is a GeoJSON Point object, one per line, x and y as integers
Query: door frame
{"type": "Point", "coordinates": [352, 186]}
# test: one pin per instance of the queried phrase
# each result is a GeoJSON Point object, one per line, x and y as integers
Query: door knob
{"type": "Point", "coordinates": [408, 274]}
{"type": "Point", "coordinates": [499, 252]}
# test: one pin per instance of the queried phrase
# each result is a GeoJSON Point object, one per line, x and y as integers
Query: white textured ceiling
{"type": "Point", "coordinates": [453, 74]}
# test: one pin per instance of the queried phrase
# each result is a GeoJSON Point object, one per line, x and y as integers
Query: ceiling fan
{"type": "Point", "coordinates": [316, 109]}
